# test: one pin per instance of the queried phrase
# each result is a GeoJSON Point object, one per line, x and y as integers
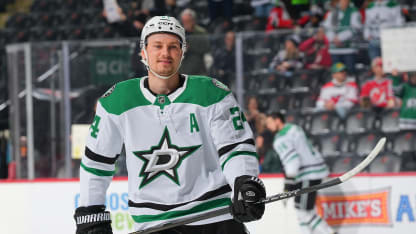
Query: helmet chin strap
{"type": "Point", "coordinates": [144, 61]}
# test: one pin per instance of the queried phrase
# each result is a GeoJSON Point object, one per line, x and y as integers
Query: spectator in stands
{"type": "Point", "coordinates": [315, 17]}
{"type": "Point", "coordinates": [221, 9]}
{"type": "Point", "coordinates": [377, 92]}
{"type": "Point", "coordinates": [407, 93]}
{"type": "Point", "coordinates": [153, 7]}
{"type": "Point", "coordinates": [255, 118]}
{"type": "Point", "coordinates": [290, 58]}
{"type": "Point", "coordinates": [224, 60]}
{"type": "Point", "coordinates": [378, 14]}
{"type": "Point", "coordinates": [271, 162]}
{"type": "Point", "coordinates": [171, 8]}
{"type": "Point", "coordinates": [279, 18]}
{"type": "Point", "coordinates": [197, 44]}
{"type": "Point", "coordinates": [341, 24]}
{"type": "Point", "coordinates": [262, 8]}
{"type": "Point", "coordinates": [340, 94]}
{"type": "Point", "coordinates": [128, 26]}
{"type": "Point", "coordinates": [316, 50]}
{"type": "Point", "coordinates": [138, 21]}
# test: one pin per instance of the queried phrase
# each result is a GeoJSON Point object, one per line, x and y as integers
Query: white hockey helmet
{"type": "Point", "coordinates": [163, 24]}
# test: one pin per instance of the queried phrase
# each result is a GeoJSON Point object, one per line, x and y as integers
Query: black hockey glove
{"type": "Point", "coordinates": [93, 220]}
{"type": "Point", "coordinates": [247, 191]}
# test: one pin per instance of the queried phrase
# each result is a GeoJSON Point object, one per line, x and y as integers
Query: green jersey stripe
{"type": "Point", "coordinates": [311, 171]}
{"type": "Point", "coordinates": [175, 214]}
{"type": "Point", "coordinates": [97, 172]}
{"type": "Point", "coordinates": [316, 224]}
{"type": "Point", "coordinates": [293, 157]}
{"type": "Point", "coordinates": [237, 153]}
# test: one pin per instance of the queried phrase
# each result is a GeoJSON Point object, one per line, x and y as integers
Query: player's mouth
{"type": "Point", "coordinates": [165, 61]}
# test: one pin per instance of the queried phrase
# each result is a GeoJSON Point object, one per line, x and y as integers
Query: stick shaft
{"type": "Point", "coordinates": [277, 197]}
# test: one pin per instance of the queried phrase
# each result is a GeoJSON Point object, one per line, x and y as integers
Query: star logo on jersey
{"type": "Point", "coordinates": [163, 159]}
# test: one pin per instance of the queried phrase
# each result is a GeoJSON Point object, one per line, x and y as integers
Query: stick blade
{"type": "Point", "coordinates": [371, 156]}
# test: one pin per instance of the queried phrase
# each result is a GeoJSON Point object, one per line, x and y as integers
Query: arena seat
{"type": "Point", "coordinates": [390, 120]}
{"type": "Point", "coordinates": [342, 163]}
{"type": "Point", "coordinates": [404, 141]}
{"type": "Point", "coordinates": [408, 162]}
{"type": "Point", "coordinates": [363, 143]}
{"type": "Point", "coordinates": [329, 143]}
{"type": "Point", "coordinates": [385, 162]}
{"type": "Point", "coordinates": [358, 120]}
{"type": "Point", "coordinates": [319, 122]}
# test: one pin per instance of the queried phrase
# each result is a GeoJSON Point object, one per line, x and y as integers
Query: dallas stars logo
{"type": "Point", "coordinates": [163, 159]}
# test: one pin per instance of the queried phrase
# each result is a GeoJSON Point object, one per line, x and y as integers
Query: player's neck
{"type": "Point", "coordinates": [163, 86]}
{"type": "Point", "coordinates": [280, 127]}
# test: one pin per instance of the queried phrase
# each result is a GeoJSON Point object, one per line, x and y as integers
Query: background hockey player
{"type": "Point", "coordinates": [189, 148]}
{"type": "Point", "coordinates": [303, 166]}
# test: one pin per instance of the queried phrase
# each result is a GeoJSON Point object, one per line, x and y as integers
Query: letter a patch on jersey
{"type": "Point", "coordinates": [163, 159]}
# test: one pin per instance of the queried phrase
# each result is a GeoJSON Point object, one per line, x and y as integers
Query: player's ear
{"type": "Point", "coordinates": [142, 55]}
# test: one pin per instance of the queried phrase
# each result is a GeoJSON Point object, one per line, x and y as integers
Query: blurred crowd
{"type": "Point", "coordinates": [331, 47]}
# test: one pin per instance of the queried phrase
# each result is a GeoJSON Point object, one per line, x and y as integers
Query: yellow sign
{"type": "Point", "coordinates": [78, 138]}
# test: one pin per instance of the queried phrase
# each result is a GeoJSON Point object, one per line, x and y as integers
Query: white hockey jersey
{"type": "Point", "coordinates": [183, 150]}
{"type": "Point", "coordinates": [381, 14]}
{"type": "Point", "coordinates": [299, 159]}
{"type": "Point", "coordinates": [343, 95]}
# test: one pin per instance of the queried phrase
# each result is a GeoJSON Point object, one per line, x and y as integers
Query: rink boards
{"type": "Point", "coordinates": [377, 203]}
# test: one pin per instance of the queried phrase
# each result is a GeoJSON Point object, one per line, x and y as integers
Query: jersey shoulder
{"type": "Point", "coordinates": [123, 96]}
{"type": "Point", "coordinates": [203, 91]}
{"type": "Point", "coordinates": [287, 129]}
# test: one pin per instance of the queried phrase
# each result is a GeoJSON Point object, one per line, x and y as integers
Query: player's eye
{"type": "Point", "coordinates": [174, 47]}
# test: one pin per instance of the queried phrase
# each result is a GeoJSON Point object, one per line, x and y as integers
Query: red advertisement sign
{"type": "Point", "coordinates": [359, 208]}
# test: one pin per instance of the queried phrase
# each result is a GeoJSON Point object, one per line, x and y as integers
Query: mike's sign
{"type": "Point", "coordinates": [355, 208]}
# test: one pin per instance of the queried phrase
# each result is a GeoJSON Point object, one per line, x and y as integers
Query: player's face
{"type": "Point", "coordinates": [378, 70]}
{"type": "Point", "coordinates": [271, 124]}
{"type": "Point", "coordinates": [164, 53]}
{"type": "Point", "coordinates": [340, 76]}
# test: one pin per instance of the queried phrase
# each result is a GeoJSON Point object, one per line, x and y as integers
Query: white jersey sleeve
{"type": "Point", "coordinates": [289, 157]}
{"type": "Point", "coordinates": [299, 158]}
{"type": "Point", "coordinates": [233, 139]}
{"type": "Point", "coordinates": [103, 145]}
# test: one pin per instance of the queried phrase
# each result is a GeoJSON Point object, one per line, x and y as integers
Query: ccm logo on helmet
{"type": "Point", "coordinates": [165, 23]}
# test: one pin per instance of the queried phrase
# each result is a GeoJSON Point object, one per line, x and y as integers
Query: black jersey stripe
{"type": "Point", "coordinates": [99, 158]}
{"type": "Point", "coordinates": [228, 148]}
{"type": "Point", "coordinates": [222, 190]}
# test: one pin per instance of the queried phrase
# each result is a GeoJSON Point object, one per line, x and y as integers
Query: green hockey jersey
{"type": "Point", "coordinates": [408, 109]}
{"type": "Point", "coordinates": [183, 150]}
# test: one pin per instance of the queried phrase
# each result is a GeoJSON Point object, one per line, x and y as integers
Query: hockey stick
{"type": "Point", "coordinates": [277, 197]}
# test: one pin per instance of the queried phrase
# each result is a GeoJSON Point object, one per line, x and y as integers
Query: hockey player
{"type": "Point", "coordinates": [303, 167]}
{"type": "Point", "coordinates": [189, 148]}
